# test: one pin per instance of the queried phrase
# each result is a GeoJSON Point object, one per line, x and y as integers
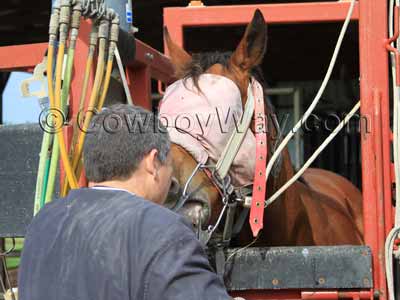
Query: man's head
{"type": "Point", "coordinates": [128, 147]}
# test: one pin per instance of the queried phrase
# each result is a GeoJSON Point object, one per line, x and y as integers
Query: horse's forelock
{"type": "Point", "coordinates": [201, 62]}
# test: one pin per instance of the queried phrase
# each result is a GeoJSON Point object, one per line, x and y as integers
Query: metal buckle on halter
{"type": "Point", "coordinates": [224, 184]}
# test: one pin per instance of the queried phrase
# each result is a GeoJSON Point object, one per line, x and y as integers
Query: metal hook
{"type": "Point", "coordinates": [7, 252]}
{"type": "Point", "coordinates": [7, 277]}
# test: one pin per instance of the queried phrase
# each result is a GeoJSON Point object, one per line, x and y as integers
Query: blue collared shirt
{"type": "Point", "coordinates": [103, 244]}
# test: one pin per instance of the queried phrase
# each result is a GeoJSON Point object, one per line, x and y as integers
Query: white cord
{"type": "Point", "coordinates": [241, 249]}
{"type": "Point", "coordinates": [396, 119]}
{"type": "Point", "coordinates": [317, 97]}
{"type": "Point", "coordinates": [123, 77]}
{"type": "Point", "coordinates": [389, 243]}
{"type": "Point", "coordinates": [314, 156]}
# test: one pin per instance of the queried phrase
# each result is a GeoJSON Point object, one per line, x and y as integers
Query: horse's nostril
{"type": "Point", "coordinates": [174, 188]}
{"type": "Point", "coordinates": [195, 213]}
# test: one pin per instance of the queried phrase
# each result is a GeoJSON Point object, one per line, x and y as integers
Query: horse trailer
{"type": "Point", "coordinates": [366, 157]}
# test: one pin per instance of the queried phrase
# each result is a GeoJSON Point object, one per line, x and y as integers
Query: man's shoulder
{"type": "Point", "coordinates": [158, 216]}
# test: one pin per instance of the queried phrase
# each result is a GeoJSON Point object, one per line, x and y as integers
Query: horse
{"type": "Point", "coordinates": [322, 208]}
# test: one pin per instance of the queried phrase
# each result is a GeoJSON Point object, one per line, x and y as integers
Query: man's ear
{"type": "Point", "coordinates": [179, 57]}
{"type": "Point", "coordinates": [251, 48]}
{"type": "Point", "coordinates": [151, 163]}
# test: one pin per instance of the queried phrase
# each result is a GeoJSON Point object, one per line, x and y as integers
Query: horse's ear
{"type": "Point", "coordinates": [251, 49]}
{"type": "Point", "coordinates": [179, 57]}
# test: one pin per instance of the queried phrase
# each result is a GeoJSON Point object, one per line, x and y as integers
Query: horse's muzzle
{"type": "Point", "coordinates": [196, 212]}
{"type": "Point", "coordinates": [195, 209]}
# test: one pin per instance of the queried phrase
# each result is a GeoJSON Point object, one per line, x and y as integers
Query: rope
{"type": "Point", "coordinates": [317, 97]}
{"type": "Point", "coordinates": [314, 156]}
{"type": "Point", "coordinates": [394, 233]}
{"type": "Point", "coordinates": [123, 77]}
{"type": "Point", "coordinates": [241, 249]}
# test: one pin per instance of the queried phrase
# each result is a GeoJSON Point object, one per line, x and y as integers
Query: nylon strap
{"type": "Point", "coordinates": [259, 184]}
{"type": "Point", "coordinates": [236, 139]}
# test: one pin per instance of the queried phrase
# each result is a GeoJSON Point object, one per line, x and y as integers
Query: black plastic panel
{"type": "Point", "coordinates": [19, 158]}
{"type": "Point", "coordinates": [339, 267]}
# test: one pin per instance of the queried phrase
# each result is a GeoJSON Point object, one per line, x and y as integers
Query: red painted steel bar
{"type": "Point", "coordinates": [175, 18]}
{"type": "Point", "coordinates": [139, 83]}
{"type": "Point", "coordinates": [374, 76]}
{"type": "Point", "coordinates": [21, 57]}
{"type": "Point", "coordinates": [303, 295]}
{"type": "Point", "coordinates": [379, 179]}
{"type": "Point", "coordinates": [335, 295]}
{"type": "Point", "coordinates": [159, 65]}
{"type": "Point", "coordinates": [26, 57]}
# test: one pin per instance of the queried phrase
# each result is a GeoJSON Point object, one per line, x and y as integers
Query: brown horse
{"type": "Point", "coordinates": [320, 209]}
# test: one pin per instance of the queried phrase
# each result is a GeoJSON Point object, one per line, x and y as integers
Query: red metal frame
{"type": "Point", "coordinates": [155, 64]}
{"type": "Point", "coordinates": [374, 85]}
{"type": "Point", "coordinates": [175, 18]}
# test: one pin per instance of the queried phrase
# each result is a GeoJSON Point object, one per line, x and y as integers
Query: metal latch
{"type": "Point", "coordinates": [38, 75]}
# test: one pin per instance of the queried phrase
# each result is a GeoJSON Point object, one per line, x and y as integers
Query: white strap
{"type": "Point", "coordinates": [237, 137]}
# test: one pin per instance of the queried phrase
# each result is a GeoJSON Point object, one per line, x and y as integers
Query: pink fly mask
{"type": "Point", "coordinates": [203, 121]}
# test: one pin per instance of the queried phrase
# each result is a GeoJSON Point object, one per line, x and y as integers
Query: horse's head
{"type": "Point", "coordinates": [204, 202]}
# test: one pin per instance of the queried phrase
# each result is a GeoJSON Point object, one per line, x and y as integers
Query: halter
{"type": "Point", "coordinates": [230, 195]}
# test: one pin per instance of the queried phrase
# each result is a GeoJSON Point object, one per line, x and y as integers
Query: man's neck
{"type": "Point", "coordinates": [123, 185]}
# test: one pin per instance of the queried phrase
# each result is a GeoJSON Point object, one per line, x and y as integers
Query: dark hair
{"type": "Point", "coordinates": [201, 62]}
{"type": "Point", "coordinates": [121, 136]}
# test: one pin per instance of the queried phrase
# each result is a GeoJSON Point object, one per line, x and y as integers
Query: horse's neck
{"type": "Point", "coordinates": [288, 212]}
{"type": "Point", "coordinates": [286, 172]}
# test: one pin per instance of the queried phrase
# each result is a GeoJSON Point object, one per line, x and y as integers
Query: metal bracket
{"type": "Point", "coordinates": [224, 184]}
{"type": "Point", "coordinates": [38, 75]}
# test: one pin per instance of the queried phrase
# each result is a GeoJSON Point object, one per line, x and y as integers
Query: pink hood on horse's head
{"type": "Point", "coordinates": [203, 121]}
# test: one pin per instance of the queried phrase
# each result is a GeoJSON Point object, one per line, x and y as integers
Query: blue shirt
{"type": "Point", "coordinates": [110, 244]}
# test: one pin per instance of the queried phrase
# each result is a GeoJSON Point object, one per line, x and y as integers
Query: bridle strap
{"type": "Point", "coordinates": [236, 139]}
{"type": "Point", "coordinates": [259, 183]}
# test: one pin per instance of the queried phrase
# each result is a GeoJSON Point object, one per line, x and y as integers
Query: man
{"type": "Point", "coordinates": [114, 240]}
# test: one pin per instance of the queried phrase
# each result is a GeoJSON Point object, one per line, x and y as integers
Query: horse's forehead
{"type": "Point", "coordinates": [202, 122]}
{"type": "Point", "coordinates": [216, 89]}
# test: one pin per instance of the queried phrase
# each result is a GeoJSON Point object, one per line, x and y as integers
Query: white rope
{"type": "Point", "coordinates": [389, 244]}
{"type": "Point", "coordinates": [396, 119]}
{"type": "Point", "coordinates": [394, 233]}
{"type": "Point", "coordinates": [123, 77]}
{"type": "Point", "coordinates": [241, 249]}
{"type": "Point", "coordinates": [317, 97]}
{"type": "Point", "coordinates": [314, 156]}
